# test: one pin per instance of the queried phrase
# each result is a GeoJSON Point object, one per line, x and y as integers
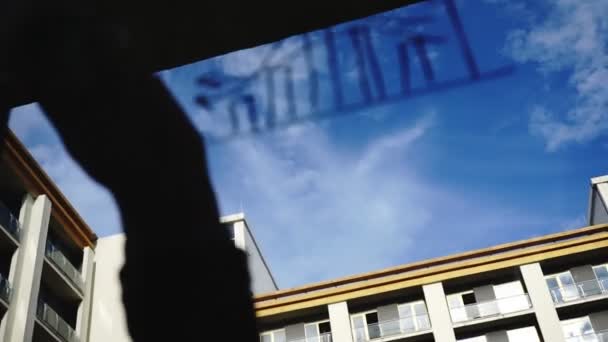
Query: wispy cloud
{"type": "Point", "coordinates": [571, 38]}
{"type": "Point", "coordinates": [322, 210]}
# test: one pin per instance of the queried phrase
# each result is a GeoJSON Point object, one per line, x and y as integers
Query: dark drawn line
{"type": "Point", "coordinates": [354, 108]}
{"type": "Point", "coordinates": [465, 47]}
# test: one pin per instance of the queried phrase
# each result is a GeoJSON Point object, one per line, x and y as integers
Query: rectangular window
{"type": "Point", "coordinates": [273, 336]}
{"type": "Point", "coordinates": [318, 332]}
{"type": "Point", "coordinates": [230, 228]}
{"type": "Point", "coordinates": [562, 287]}
{"type": "Point", "coordinates": [413, 317]}
{"type": "Point", "coordinates": [577, 327]}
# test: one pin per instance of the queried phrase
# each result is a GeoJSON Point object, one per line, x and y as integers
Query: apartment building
{"type": "Point", "coordinates": [46, 255]}
{"type": "Point", "coordinates": [552, 288]}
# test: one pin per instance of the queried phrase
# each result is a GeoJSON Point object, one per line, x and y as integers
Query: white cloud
{"type": "Point", "coordinates": [320, 210]}
{"type": "Point", "coordinates": [572, 37]}
{"type": "Point", "coordinates": [92, 202]}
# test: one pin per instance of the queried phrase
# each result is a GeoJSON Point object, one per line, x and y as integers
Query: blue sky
{"type": "Point", "coordinates": [427, 176]}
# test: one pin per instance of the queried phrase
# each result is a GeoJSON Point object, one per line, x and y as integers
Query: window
{"type": "Point", "coordinates": [562, 287]}
{"type": "Point", "coordinates": [601, 271]}
{"type": "Point", "coordinates": [510, 297]}
{"type": "Point", "coordinates": [577, 327]}
{"type": "Point", "coordinates": [468, 298]}
{"type": "Point", "coordinates": [366, 326]}
{"type": "Point", "coordinates": [462, 306]}
{"type": "Point", "coordinates": [413, 317]}
{"type": "Point", "coordinates": [527, 334]}
{"type": "Point", "coordinates": [273, 336]}
{"type": "Point", "coordinates": [230, 228]}
{"type": "Point", "coordinates": [318, 332]}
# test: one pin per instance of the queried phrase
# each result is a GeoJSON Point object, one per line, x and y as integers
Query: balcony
{"type": "Point", "coordinates": [55, 323]}
{"type": "Point", "coordinates": [493, 308]}
{"type": "Point", "coordinates": [581, 290]}
{"type": "Point", "coordinates": [5, 289]}
{"type": "Point", "coordinates": [9, 222]}
{"type": "Point", "coordinates": [601, 336]}
{"type": "Point", "coordinates": [321, 338]}
{"type": "Point", "coordinates": [63, 264]}
{"type": "Point", "coordinates": [390, 330]}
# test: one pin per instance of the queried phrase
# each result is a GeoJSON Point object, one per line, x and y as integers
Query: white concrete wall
{"type": "Point", "coordinates": [439, 313]}
{"type": "Point", "coordinates": [544, 309]}
{"type": "Point", "coordinates": [339, 320]}
{"type": "Point", "coordinates": [108, 320]}
{"type": "Point", "coordinates": [261, 277]}
{"type": "Point", "coordinates": [34, 218]}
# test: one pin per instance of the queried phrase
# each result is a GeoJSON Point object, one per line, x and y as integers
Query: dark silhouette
{"type": "Point", "coordinates": [90, 66]}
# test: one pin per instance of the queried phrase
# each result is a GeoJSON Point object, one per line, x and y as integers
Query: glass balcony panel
{"type": "Point", "coordinates": [495, 307]}
{"type": "Point", "coordinates": [579, 290]}
{"type": "Point", "coordinates": [402, 326]}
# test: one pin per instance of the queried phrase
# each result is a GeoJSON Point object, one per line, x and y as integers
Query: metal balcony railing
{"type": "Point", "coordinates": [9, 222]}
{"type": "Point", "coordinates": [579, 290]}
{"type": "Point", "coordinates": [53, 321]}
{"type": "Point", "coordinates": [5, 289]}
{"type": "Point", "coordinates": [494, 307]}
{"type": "Point", "coordinates": [66, 267]}
{"type": "Point", "coordinates": [601, 336]}
{"type": "Point", "coordinates": [402, 326]}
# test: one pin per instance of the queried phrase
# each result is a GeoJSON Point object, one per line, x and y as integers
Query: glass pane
{"type": "Point", "coordinates": [311, 331]}
{"type": "Point", "coordinates": [324, 328]}
{"type": "Point", "coordinates": [358, 322]}
{"type": "Point", "coordinates": [601, 272]}
{"type": "Point", "coordinates": [569, 289]}
{"type": "Point", "coordinates": [527, 334]}
{"type": "Point", "coordinates": [373, 329]}
{"type": "Point", "coordinates": [423, 322]}
{"type": "Point", "coordinates": [566, 279]}
{"type": "Point", "coordinates": [359, 327]}
{"type": "Point", "coordinates": [279, 336]}
{"type": "Point", "coordinates": [454, 301]}
{"type": "Point", "coordinates": [265, 338]}
{"type": "Point", "coordinates": [420, 308]}
{"type": "Point", "coordinates": [556, 292]}
{"type": "Point", "coordinates": [552, 282]}
{"type": "Point", "coordinates": [405, 310]}
{"type": "Point", "coordinates": [407, 324]}
{"type": "Point", "coordinates": [577, 327]}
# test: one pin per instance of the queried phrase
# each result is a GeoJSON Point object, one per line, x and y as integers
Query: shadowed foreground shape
{"type": "Point", "coordinates": [90, 66]}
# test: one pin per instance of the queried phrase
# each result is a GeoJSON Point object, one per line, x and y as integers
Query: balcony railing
{"type": "Point", "coordinates": [601, 336]}
{"type": "Point", "coordinates": [53, 321]}
{"type": "Point", "coordinates": [579, 290]}
{"type": "Point", "coordinates": [495, 307]}
{"type": "Point", "coordinates": [9, 222]}
{"type": "Point", "coordinates": [402, 326]}
{"type": "Point", "coordinates": [5, 289]}
{"type": "Point", "coordinates": [321, 338]}
{"type": "Point", "coordinates": [66, 267]}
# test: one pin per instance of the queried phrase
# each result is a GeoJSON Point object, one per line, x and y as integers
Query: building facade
{"type": "Point", "coordinates": [552, 288]}
{"type": "Point", "coordinates": [46, 255]}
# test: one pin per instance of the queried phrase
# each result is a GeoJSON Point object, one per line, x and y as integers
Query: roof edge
{"type": "Point", "coordinates": [37, 181]}
{"type": "Point", "coordinates": [484, 252]}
